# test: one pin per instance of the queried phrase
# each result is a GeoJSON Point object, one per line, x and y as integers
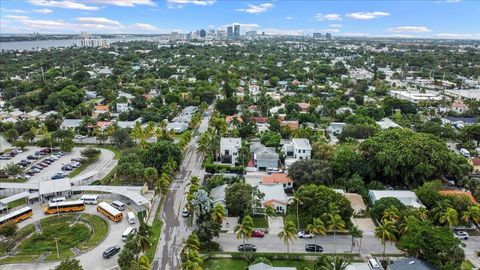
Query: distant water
{"type": "Point", "coordinates": [46, 44]}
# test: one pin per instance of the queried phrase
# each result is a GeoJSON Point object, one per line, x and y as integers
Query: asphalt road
{"type": "Point", "coordinates": [175, 229]}
{"type": "Point", "coordinates": [472, 246]}
{"type": "Point", "coordinates": [272, 244]}
{"type": "Point", "coordinates": [4, 144]}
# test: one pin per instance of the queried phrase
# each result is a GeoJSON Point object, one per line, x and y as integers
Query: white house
{"type": "Point", "coordinates": [70, 123]}
{"type": "Point", "coordinates": [275, 196]}
{"type": "Point", "coordinates": [229, 149]}
{"type": "Point", "coordinates": [264, 266]}
{"type": "Point", "coordinates": [217, 195]}
{"type": "Point", "coordinates": [177, 127]}
{"type": "Point", "coordinates": [122, 107]}
{"type": "Point", "coordinates": [407, 197]}
{"type": "Point", "coordinates": [298, 148]}
{"type": "Point", "coordinates": [336, 128]}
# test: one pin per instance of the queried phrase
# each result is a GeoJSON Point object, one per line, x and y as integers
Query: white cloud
{"type": "Point", "coordinates": [125, 3]}
{"type": "Point", "coordinates": [409, 29]}
{"type": "Point", "coordinates": [17, 17]}
{"type": "Point", "coordinates": [458, 35]}
{"type": "Point", "coordinates": [253, 9]}
{"type": "Point", "coordinates": [145, 26]}
{"type": "Point", "coordinates": [13, 10]}
{"type": "Point", "coordinates": [37, 24]}
{"type": "Point", "coordinates": [367, 15]}
{"type": "Point", "coordinates": [63, 4]}
{"type": "Point", "coordinates": [328, 17]}
{"type": "Point", "coordinates": [335, 25]}
{"type": "Point", "coordinates": [43, 11]}
{"type": "Point", "coordinates": [354, 34]}
{"type": "Point", "coordinates": [194, 2]}
{"type": "Point", "coordinates": [289, 18]}
{"type": "Point", "coordinates": [97, 20]}
{"type": "Point", "coordinates": [330, 30]}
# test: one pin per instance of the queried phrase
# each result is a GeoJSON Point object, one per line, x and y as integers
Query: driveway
{"type": "Point", "coordinates": [365, 224]}
{"type": "Point", "coordinates": [472, 245]}
{"type": "Point", "coordinates": [275, 225]}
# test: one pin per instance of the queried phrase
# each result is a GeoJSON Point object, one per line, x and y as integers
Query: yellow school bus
{"type": "Point", "coordinates": [109, 211]}
{"type": "Point", "coordinates": [17, 215]}
{"type": "Point", "coordinates": [61, 207]}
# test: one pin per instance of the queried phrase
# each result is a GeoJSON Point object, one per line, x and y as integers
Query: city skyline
{"type": "Point", "coordinates": [426, 19]}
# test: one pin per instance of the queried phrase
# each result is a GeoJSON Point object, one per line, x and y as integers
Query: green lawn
{"type": "Point", "coordinates": [16, 203]}
{"type": "Point", "coordinates": [260, 222]}
{"type": "Point", "coordinates": [467, 265]}
{"type": "Point", "coordinates": [115, 150]}
{"type": "Point", "coordinates": [99, 230]}
{"type": "Point", "coordinates": [239, 264]}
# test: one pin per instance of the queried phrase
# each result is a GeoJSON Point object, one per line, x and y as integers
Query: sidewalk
{"type": "Point", "coordinates": [155, 205]}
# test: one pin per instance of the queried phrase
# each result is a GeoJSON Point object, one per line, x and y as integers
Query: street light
{"type": "Point", "coordinates": [56, 243]}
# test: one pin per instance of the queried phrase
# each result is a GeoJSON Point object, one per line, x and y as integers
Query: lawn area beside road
{"type": "Point", "coordinates": [260, 222]}
{"type": "Point", "coordinates": [239, 264]}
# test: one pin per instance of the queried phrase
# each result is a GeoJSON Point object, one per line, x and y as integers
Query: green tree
{"type": "Point", "coordinates": [386, 231]}
{"type": "Point", "coordinates": [244, 230]}
{"type": "Point", "coordinates": [239, 199]}
{"type": "Point", "coordinates": [317, 228]}
{"type": "Point", "coordinates": [159, 153]}
{"type": "Point", "coordinates": [11, 134]}
{"type": "Point", "coordinates": [356, 233]}
{"type": "Point", "coordinates": [334, 223]}
{"type": "Point", "coordinates": [288, 234]}
{"type": "Point", "coordinates": [13, 170]}
{"type": "Point", "coordinates": [8, 229]}
{"type": "Point", "coordinates": [69, 264]}
{"type": "Point", "coordinates": [449, 217]}
{"type": "Point", "coordinates": [310, 171]}
{"type": "Point", "coordinates": [297, 200]}
{"type": "Point", "coordinates": [218, 213]}
{"type": "Point", "coordinates": [472, 215]}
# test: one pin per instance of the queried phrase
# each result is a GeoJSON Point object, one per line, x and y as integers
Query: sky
{"type": "Point", "coordinates": [394, 18]}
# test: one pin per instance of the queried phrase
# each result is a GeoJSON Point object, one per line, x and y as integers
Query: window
{"type": "Point", "coordinates": [304, 151]}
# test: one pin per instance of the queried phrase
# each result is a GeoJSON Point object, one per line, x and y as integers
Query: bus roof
{"type": "Point", "coordinates": [128, 230]}
{"type": "Point", "coordinates": [59, 204]}
{"type": "Point", "coordinates": [107, 207]}
{"type": "Point", "coordinates": [89, 196]}
{"type": "Point", "coordinates": [14, 213]}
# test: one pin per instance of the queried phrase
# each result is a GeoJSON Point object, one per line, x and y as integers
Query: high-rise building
{"type": "Point", "coordinates": [236, 31]}
{"type": "Point", "coordinates": [94, 42]}
{"type": "Point", "coordinates": [229, 31]}
{"type": "Point", "coordinates": [328, 36]}
{"type": "Point", "coordinates": [317, 35]}
{"type": "Point", "coordinates": [251, 33]}
{"type": "Point", "coordinates": [221, 34]}
{"type": "Point", "coordinates": [174, 36]}
{"type": "Point", "coordinates": [203, 33]}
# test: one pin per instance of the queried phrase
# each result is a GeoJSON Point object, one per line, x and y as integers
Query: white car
{"type": "Point", "coordinates": [461, 235]}
{"type": "Point", "coordinates": [185, 212]}
{"type": "Point", "coordinates": [80, 137]}
{"type": "Point", "coordinates": [303, 234]}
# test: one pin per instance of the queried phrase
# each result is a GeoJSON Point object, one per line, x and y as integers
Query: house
{"type": "Point", "coordinates": [292, 124]}
{"type": "Point", "coordinates": [303, 107]}
{"type": "Point", "coordinates": [70, 124]}
{"type": "Point", "coordinates": [90, 94]}
{"type": "Point", "coordinates": [128, 124]}
{"type": "Point", "coordinates": [264, 266]}
{"type": "Point", "coordinates": [122, 107]}
{"type": "Point", "coordinates": [177, 127]}
{"type": "Point", "coordinates": [466, 194]}
{"type": "Point", "coordinates": [278, 178]}
{"type": "Point", "coordinates": [476, 166]}
{"type": "Point", "coordinates": [298, 149]}
{"type": "Point", "coordinates": [336, 128]}
{"type": "Point", "coordinates": [407, 197]}
{"type": "Point", "coordinates": [189, 111]}
{"type": "Point", "coordinates": [103, 125]}
{"type": "Point", "coordinates": [126, 95]}
{"type": "Point", "coordinates": [229, 149]}
{"type": "Point", "coordinates": [33, 115]}
{"type": "Point", "coordinates": [265, 157]}
{"type": "Point", "coordinates": [344, 110]}
{"type": "Point", "coordinates": [415, 96]}
{"type": "Point", "coordinates": [182, 119]}
{"type": "Point", "coordinates": [217, 195]}
{"type": "Point", "coordinates": [411, 263]}
{"type": "Point", "coordinates": [44, 116]}
{"type": "Point", "coordinates": [387, 123]}
{"type": "Point", "coordinates": [275, 196]}
{"type": "Point", "coordinates": [100, 109]}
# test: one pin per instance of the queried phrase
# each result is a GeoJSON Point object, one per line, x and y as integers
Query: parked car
{"type": "Point", "coordinates": [54, 157]}
{"type": "Point", "coordinates": [247, 247]}
{"type": "Point", "coordinates": [60, 153]}
{"type": "Point", "coordinates": [258, 233]}
{"type": "Point", "coordinates": [313, 248]}
{"type": "Point", "coordinates": [5, 157]}
{"type": "Point", "coordinates": [80, 137]}
{"type": "Point", "coordinates": [185, 212]}
{"type": "Point", "coordinates": [74, 164]}
{"type": "Point", "coordinates": [22, 164]}
{"type": "Point", "coordinates": [47, 161]}
{"type": "Point", "coordinates": [58, 176]}
{"type": "Point", "coordinates": [39, 153]}
{"type": "Point", "coordinates": [31, 157]}
{"type": "Point", "coordinates": [37, 167]}
{"type": "Point", "coordinates": [43, 165]}
{"type": "Point", "coordinates": [462, 235]}
{"type": "Point", "coordinates": [26, 161]}
{"type": "Point", "coordinates": [305, 235]}
{"type": "Point", "coordinates": [30, 173]}
{"type": "Point", "coordinates": [36, 170]}
{"type": "Point", "coordinates": [67, 167]}
{"type": "Point", "coordinates": [109, 252]}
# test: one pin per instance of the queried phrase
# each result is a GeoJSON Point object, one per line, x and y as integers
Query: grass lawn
{"type": "Point", "coordinates": [260, 222]}
{"type": "Point", "coordinates": [13, 180]}
{"type": "Point", "coordinates": [239, 264]}
{"type": "Point", "coordinates": [100, 229]}
{"type": "Point", "coordinates": [63, 255]}
{"type": "Point", "coordinates": [467, 265]}
{"type": "Point", "coordinates": [17, 203]}
{"type": "Point", "coordinates": [115, 150]}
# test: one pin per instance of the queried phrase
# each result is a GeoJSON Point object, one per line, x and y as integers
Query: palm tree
{"type": "Point", "coordinates": [143, 242]}
{"type": "Point", "coordinates": [297, 200]}
{"type": "Point", "coordinates": [472, 215]}
{"type": "Point", "coordinates": [269, 212]}
{"type": "Point", "coordinates": [386, 232]}
{"type": "Point", "coordinates": [356, 233]}
{"type": "Point", "coordinates": [218, 214]}
{"type": "Point", "coordinates": [317, 228]}
{"type": "Point", "coordinates": [339, 263]}
{"type": "Point", "coordinates": [330, 263]}
{"type": "Point", "coordinates": [244, 229]}
{"type": "Point", "coordinates": [391, 213]}
{"type": "Point", "coordinates": [288, 234]}
{"type": "Point", "coordinates": [193, 261]}
{"type": "Point", "coordinates": [334, 223]}
{"type": "Point", "coordinates": [143, 263]}
{"type": "Point", "coordinates": [449, 217]}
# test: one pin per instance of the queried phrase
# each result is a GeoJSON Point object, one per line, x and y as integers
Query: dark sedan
{"type": "Point", "coordinates": [313, 248]}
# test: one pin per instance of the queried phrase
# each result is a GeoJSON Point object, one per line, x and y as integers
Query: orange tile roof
{"type": "Point", "coordinates": [270, 202]}
{"type": "Point", "coordinates": [467, 194]}
{"type": "Point", "coordinates": [259, 119]}
{"type": "Point", "coordinates": [303, 105]}
{"type": "Point", "coordinates": [291, 124]}
{"type": "Point", "coordinates": [276, 178]}
{"type": "Point", "coordinates": [476, 161]}
{"type": "Point", "coordinates": [104, 124]}
{"type": "Point", "coordinates": [229, 118]}
{"type": "Point", "coordinates": [101, 108]}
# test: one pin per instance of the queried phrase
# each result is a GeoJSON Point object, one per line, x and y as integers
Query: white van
{"type": "Point", "coordinates": [273, 170]}
{"type": "Point", "coordinates": [59, 199]}
{"type": "Point", "coordinates": [131, 218]}
{"type": "Point", "coordinates": [374, 265]}
{"type": "Point", "coordinates": [127, 232]}
{"type": "Point", "coordinates": [119, 205]}
{"type": "Point", "coordinates": [464, 152]}
{"type": "Point", "coordinates": [89, 199]}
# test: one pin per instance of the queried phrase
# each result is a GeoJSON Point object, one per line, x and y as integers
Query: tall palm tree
{"type": "Point", "coordinates": [449, 217]}
{"type": "Point", "coordinates": [143, 242]}
{"type": "Point", "coordinates": [472, 215]}
{"type": "Point", "coordinates": [244, 229]}
{"type": "Point", "coordinates": [316, 228]}
{"type": "Point", "coordinates": [269, 212]}
{"type": "Point", "coordinates": [339, 263]}
{"type": "Point", "coordinates": [218, 214]}
{"type": "Point", "coordinates": [386, 232]}
{"type": "Point", "coordinates": [297, 200]}
{"type": "Point", "coordinates": [391, 213]}
{"type": "Point", "coordinates": [334, 223]}
{"type": "Point", "coordinates": [193, 261]}
{"type": "Point", "coordinates": [355, 232]}
{"type": "Point", "coordinates": [288, 234]}
{"type": "Point", "coordinates": [143, 263]}
{"type": "Point", "coordinates": [330, 263]}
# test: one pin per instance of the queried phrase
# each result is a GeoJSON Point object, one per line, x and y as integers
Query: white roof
{"type": "Point", "coordinates": [228, 142]}
{"type": "Point", "coordinates": [53, 186]}
{"type": "Point", "coordinates": [386, 123]}
{"type": "Point", "coordinates": [218, 193]}
{"type": "Point", "coordinates": [60, 204]}
{"type": "Point", "coordinates": [472, 93]}
{"type": "Point", "coordinates": [301, 144]}
{"type": "Point", "coordinates": [15, 197]}
{"type": "Point", "coordinates": [132, 193]}
{"type": "Point", "coordinates": [264, 266]}
{"type": "Point", "coordinates": [273, 192]}
{"type": "Point", "coordinates": [71, 122]}
{"type": "Point", "coordinates": [407, 197]}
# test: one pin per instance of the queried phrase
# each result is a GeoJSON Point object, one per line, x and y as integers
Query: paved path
{"type": "Point", "coordinates": [4, 144]}
{"type": "Point", "coordinates": [175, 229]}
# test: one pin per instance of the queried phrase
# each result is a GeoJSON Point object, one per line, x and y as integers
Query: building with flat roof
{"type": "Point", "coordinates": [416, 96]}
{"type": "Point", "coordinates": [471, 94]}
{"type": "Point", "coordinates": [407, 197]}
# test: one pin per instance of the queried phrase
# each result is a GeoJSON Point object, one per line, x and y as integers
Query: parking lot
{"type": "Point", "coordinates": [55, 167]}
{"type": "Point", "coordinates": [30, 150]}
